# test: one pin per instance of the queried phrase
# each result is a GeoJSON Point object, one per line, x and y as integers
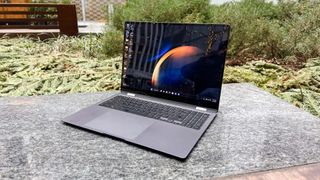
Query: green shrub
{"type": "Point", "coordinates": [113, 42]}
{"type": "Point", "coordinates": [259, 29]}
{"type": "Point", "coordinates": [272, 31]}
{"type": "Point", "coordinates": [152, 11]}
{"type": "Point", "coordinates": [302, 24]}
{"type": "Point", "coordinates": [250, 21]}
{"type": "Point", "coordinates": [161, 11]}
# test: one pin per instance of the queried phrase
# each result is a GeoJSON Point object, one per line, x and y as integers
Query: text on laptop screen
{"type": "Point", "coordinates": [177, 61]}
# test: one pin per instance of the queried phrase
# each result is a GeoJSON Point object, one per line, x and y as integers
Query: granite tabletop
{"type": "Point", "coordinates": [254, 131]}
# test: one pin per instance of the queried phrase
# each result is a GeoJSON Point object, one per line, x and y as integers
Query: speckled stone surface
{"type": "Point", "coordinates": [254, 131]}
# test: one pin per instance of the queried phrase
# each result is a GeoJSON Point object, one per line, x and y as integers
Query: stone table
{"type": "Point", "coordinates": [254, 131]}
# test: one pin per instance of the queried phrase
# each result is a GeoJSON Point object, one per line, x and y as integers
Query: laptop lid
{"type": "Point", "coordinates": [180, 62]}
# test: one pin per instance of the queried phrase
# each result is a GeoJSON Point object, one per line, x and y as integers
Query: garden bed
{"type": "Point", "coordinates": [31, 67]}
{"type": "Point", "coordinates": [71, 65]}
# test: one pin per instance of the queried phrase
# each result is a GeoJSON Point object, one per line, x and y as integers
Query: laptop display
{"type": "Point", "coordinates": [182, 62]}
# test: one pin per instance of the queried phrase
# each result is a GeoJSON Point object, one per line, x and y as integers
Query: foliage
{"type": "Point", "coordinates": [285, 31]}
{"type": "Point", "coordinates": [302, 88]}
{"type": "Point", "coordinates": [32, 67]}
{"type": "Point", "coordinates": [251, 24]}
{"type": "Point", "coordinates": [113, 42]}
{"type": "Point", "coordinates": [152, 11]}
{"type": "Point", "coordinates": [161, 11]}
{"type": "Point", "coordinates": [302, 23]}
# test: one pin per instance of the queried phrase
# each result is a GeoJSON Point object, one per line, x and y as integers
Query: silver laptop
{"type": "Point", "coordinates": [170, 87]}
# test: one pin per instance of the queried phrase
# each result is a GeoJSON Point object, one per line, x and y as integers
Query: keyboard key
{"type": "Point", "coordinates": [166, 113]}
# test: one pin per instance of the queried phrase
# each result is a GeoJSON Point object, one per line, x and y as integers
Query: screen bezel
{"type": "Point", "coordinates": [202, 103]}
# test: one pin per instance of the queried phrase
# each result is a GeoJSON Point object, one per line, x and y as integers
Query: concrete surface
{"type": "Point", "coordinates": [254, 131]}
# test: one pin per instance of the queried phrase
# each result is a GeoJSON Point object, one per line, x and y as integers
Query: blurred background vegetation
{"type": "Point", "coordinates": [286, 33]}
{"type": "Point", "coordinates": [274, 46]}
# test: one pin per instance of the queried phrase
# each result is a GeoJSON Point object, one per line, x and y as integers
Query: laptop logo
{"type": "Point", "coordinates": [201, 109]}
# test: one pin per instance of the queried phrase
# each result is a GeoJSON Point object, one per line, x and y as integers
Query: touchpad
{"type": "Point", "coordinates": [120, 124]}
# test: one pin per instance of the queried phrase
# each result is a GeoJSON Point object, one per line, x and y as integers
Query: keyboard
{"type": "Point", "coordinates": [170, 114]}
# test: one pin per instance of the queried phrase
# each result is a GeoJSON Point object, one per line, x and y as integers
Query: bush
{"type": "Point", "coordinates": [259, 29]}
{"type": "Point", "coordinates": [272, 31]}
{"type": "Point", "coordinates": [152, 11]}
{"type": "Point", "coordinates": [161, 11]}
{"type": "Point", "coordinates": [113, 41]}
{"type": "Point", "coordinates": [302, 24]}
{"type": "Point", "coordinates": [250, 21]}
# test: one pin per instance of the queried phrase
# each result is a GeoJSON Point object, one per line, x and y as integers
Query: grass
{"type": "Point", "coordinates": [69, 65]}
{"type": "Point", "coordinates": [301, 88]}
{"type": "Point", "coordinates": [31, 67]}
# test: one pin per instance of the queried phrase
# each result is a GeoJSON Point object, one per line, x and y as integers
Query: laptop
{"type": "Point", "coordinates": [170, 87]}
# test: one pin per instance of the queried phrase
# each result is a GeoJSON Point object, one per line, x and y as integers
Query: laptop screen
{"type": "Point", "coordinates": [181, 62]}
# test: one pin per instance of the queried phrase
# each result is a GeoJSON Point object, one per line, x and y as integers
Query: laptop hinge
{"type": "Point", "coordinates": [131, 94]}
{"type": "Point", "coordinates": [201, 108]}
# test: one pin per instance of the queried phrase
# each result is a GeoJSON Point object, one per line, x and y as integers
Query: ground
{"type": "Point", "coordinates": [69, 65]}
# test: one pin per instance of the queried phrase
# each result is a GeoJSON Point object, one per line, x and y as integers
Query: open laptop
{"type": "Point", "coordinates": [170, 88]}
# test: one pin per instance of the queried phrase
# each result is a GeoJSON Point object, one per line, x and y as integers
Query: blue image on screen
{"type": "Point", "coordinates": [182, 59]}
